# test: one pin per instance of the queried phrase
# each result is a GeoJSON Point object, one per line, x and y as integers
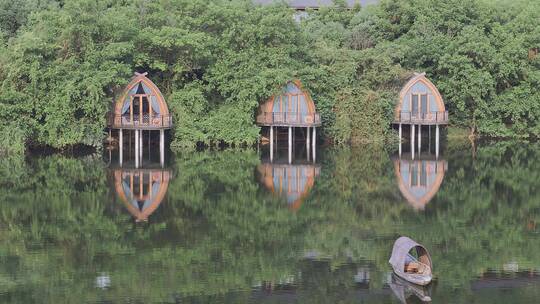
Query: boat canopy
{"type": "Point", "coordinates": [401, 249]}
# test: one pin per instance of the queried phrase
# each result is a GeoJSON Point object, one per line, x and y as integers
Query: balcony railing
{"type": "Point", "coordinates": [140, 121]}
{"type": "Point", "coordinates": [289, 118]}
{"type": "Point", "coordinates": [420, 118]}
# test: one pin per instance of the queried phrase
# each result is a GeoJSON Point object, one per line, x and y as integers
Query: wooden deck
{"type": "Point", "coordinates": [140, 122]}
{"type": "Point", "coordinates": [430, 118]}
{"type": "Point", "coordinates": [288, 119]}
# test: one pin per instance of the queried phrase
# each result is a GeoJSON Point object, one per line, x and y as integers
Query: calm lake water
{"type": "Point", "coordinates": [232, 227]}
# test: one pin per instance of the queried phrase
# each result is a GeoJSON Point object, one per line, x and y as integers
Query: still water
{"type": "Point", "coordinates": [233, 227]}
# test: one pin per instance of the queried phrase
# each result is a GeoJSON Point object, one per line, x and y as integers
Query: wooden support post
{"type": "Point", "coordinates": [271, 143]}
{"type": "Point", "coordinates": [412, 140]}
{"type": "Point", "coordinates": [136, 148]}
{"type": "Point", "coordinates": [120, 147]}
{"type": "Point", "coordinates": [307, 137]}
{"type": "Point", "coordinates": [290, 145]}
{"type": "Point", "coordinates": [437, 142]}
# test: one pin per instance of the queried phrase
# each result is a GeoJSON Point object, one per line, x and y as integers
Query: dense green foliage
{"type": "Point", "coordinates": [61, 61]}
{"type": "Point", "coordinates": [221, 234]}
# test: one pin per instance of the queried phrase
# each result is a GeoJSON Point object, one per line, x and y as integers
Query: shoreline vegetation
{"type": "Point", "coordinates": [215, 61]}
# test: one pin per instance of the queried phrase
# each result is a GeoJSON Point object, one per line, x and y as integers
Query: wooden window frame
{"type": "Point", "coordinates": [419, 103]}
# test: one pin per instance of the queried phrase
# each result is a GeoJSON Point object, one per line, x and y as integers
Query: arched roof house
{"type": "Point", "coordinates": [293, 107]}
{"type": "Point", "coordinates": [141, 191]}
{"type": "Point", "coordinates": [141, 106]}
{"type": "Point", "coordinates": [419, 179]}
{"type": "Point", "coordinates": [420, 102]}
{"type": "Point", "coordinates": [293, 182]}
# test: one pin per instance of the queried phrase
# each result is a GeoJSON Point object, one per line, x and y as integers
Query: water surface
{"type": "Point", "coordinates": [233, 227]}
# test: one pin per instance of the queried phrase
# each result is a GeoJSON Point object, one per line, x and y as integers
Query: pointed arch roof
{"type": "Point", "coordinates": [292, 94]}
{"type": "Point", "coordinates": [149, 87]}
{"type": "Point", "coordinates": [291, 87]}
{"type": "Point", "coordinates": [420, 77]}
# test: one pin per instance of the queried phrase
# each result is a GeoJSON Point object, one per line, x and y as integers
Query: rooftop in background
{"type": "Point", "coordinates": [314, 4]}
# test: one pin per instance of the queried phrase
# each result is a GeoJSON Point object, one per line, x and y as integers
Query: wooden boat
{"type": "Point", "coordinates": [415, 267]}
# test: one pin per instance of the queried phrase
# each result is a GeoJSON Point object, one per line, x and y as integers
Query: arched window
{"type": "Point", "coordinates": [293, 106]}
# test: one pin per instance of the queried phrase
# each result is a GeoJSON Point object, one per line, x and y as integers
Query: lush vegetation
{"type": "Point", "coordinates": [61, 61]}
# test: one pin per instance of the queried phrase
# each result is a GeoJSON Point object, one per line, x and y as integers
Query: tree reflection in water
{"type": "Point", "coordinates": [222, 236]}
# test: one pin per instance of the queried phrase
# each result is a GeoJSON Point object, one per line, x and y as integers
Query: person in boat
{"type": "Point", "coordinates": [408, 267]}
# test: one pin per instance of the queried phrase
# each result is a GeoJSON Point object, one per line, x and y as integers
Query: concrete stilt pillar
{"type": "Point", "coordinates": [437, 141]}
{"type": "Point", "coordinates": [136, 148]}
{"type": "Point", "coordinates": [120, 147]}
{"type": "Point", "coordinates": [162, 147]}
{"type": "Point", "coordinates": [314, 137]}
{"type": "Point", "coordinates": [412, 140]}
{"type": "Point", "coordinates": [400, 134]}
{"type": "Point", "coordinates": [141, 146]}
{"type": "Point", "coordinates": [290, 145]}
{"type": "Point", "coordinates": [429, 139]}
{"type": "Point", "coordinates": [314, 143]}
{"type": "Point", "coordinates": [419, 138]}
{"type": "Point", "coordinates": [271, 144]}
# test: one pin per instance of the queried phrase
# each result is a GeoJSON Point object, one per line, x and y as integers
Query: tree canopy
{"type": "Point", "coordinates": [62, 61]}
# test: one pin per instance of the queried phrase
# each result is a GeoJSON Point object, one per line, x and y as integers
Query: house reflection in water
{"type": "Point", "coordinates": [419, 179]}
{"type": "Point", "coordinates": [291, 181]}
{"type": "Point", "coordinates": [141, 190]}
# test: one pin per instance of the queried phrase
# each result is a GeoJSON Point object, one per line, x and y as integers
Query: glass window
{"type": "Point", "coordinates": [414, 103]}
{"type": "Point", "coordinates": [284, 103]}
{"type": "Point", "coordinates": [303, 108]}
{"type": "Point", "coordinates": [294, 103]}
{"type": "Point", "coordinates": [424, 103]}
{"type": "Point", "coordinates": [276, 104]}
